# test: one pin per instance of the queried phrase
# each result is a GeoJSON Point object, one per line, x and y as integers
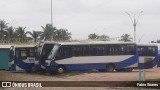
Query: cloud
{"type": "Point", "coordinates": [82, 17]}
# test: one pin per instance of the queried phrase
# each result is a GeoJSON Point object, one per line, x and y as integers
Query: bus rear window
{"type": "Point", "coordinates": [25, 52]}
{"type": "Point", "coordinates": [147, 50]}
{"type": "Point", "coordinates": [21, 54]}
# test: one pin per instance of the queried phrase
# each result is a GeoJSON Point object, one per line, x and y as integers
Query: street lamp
{"type": "Point", "coordinates": [134, 22]}
{"type": "Point", "coordinates": [51, 14]}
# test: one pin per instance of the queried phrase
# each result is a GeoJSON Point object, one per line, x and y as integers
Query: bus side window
{"type": "Point", "coordinates": [77, 50]}
{"type": "Point", "coordinates": [151, 51]}
{"type": "Point", "coordinates": [23, 54]}
{"type": "Point", "coordinates": [64, 52]}
{"type": "Point", "coordinates": [85, 50]}
{"type": "Point", "coordinates": [93, 50]}
{"type": "Point", "coordinates": [141, 51]}
{"type": "Point", "coordinates": [131, 49]}
{"type": "Point", "coordinates": [59, 54]}
{"type": "Point", "coordinates": [31, 52]}
{"type": "Point", "coordinates": [101, 50]}
{"type": "Point", "coordinates": [122, 49]}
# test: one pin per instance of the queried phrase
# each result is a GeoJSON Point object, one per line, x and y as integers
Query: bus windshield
{"type": "Point", "coordinates": [53, 52]}
{"type": "Point", "coordinates": [44, 51]}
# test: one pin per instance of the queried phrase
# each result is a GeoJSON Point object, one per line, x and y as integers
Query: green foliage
{"type": "Point", "coordinates": [48, 32]}
{"type": "Point", "coordinates": [62, 35]}
{"type": "Point", "coordinates": [34, 35]}
{"type": "Point", "coordinates": [3, 27]}
{"type": "Point", "coordinates": [158, 41]}
{"type": "Point", "coordinates": [9, 34]}
{"type": "Point", "coordinates": [98, 37]}
{"type": "Point", "coordinates": [52, 33]}
{"type": "Point", "coordinates": [126, 38]}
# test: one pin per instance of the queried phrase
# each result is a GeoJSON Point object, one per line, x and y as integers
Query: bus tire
{"type": "Point", "coordinates": [60, 69]}
{"type": "Point", "coordinates": [110, 67]}
{"type": "Point", "coordinates": [28, 71]}
{"type": "Point", "coordinates": [33, 68]}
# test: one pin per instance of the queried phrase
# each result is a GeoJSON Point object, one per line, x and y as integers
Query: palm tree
{"type": "Point", "coordinates": [34, 35]}
{"type": "Point", "coordinates": [103, 37]}
{"type": "Point", "coordinates": [10, 33]}
{"type": "Point", "coordinates": [3, 26]}
{"type": "Point", "coordinates": [62, 35]}
{"type": "Point", "coordinates": [92, 36]}
{"type": "Point", "coordinates": [126, 38]}
{"type": "Point", "coordinates": [20, 33]}
{"type": "Point", "coordinates": [48, 32]}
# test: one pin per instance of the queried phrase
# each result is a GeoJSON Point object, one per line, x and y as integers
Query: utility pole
{"type": "Point", "coordinates": [51, 14]}
{"type": "Point", "coordinates": [134, 22]}
{"type": "Point", "coordinates": [51, 22]}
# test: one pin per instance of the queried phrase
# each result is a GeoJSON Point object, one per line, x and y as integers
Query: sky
{"type": "Point", "coordinates": [83, 17]}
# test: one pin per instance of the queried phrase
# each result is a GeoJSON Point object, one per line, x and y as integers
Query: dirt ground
{"type": "Point", "coordinates": [79, 76]}
{"type": "Point", "coordinates": [150, 74]}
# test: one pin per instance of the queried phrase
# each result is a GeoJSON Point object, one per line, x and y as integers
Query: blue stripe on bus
{"type": "Point", "coordinates": [148, 65]}
{"type": "Point", "coordinates": [123, 64]}
{"type": "Point", "coordinates": [21, 64]}
{"type": "Point", "coordinates": [13, 67]}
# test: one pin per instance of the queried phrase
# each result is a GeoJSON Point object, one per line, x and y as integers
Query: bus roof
{"type": "Point", "coordinates": [23, 46]}
{"type": "Point", "coordinates": [46, 42]}
{"type": "Point", "coordinates": [5, 46]}
{"type": "Point", "coordinates": [147, 44]}
{"type": "Point", "coordinates": [92, 43]}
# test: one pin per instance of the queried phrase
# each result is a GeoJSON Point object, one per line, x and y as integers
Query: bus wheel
{"type": "Point", "coordinates": [128, 69]}
{"type": "Point", "coordinates": [110, 68]}
{"type": "Point", "coordinates": [33, 68]}
{"type": "Point", "coordinates": [60, 69]}
{"type": "Point", "coordinates": [28, 71]}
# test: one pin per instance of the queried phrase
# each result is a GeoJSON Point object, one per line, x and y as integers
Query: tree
{"type": "Point", "coordinates": [62, 35]}
{"type": "Point", "coordinates": [98, 37]}
{"type": "Point", "coordinates": [10, 33]}
{"type": "Point", "coordinates": [103, 37]}
{"type": "Point", "coordinates": [3, 27]}
{"type": "Point", "coordinates": [48, 32]}
{"type": "Point", "coordinates": [158, 41]}
{"type": "Point", "coordinates": [20, 33]}
{"type": "Point", "coordinates": [126, 38]}
{"type": "Point", "coordinates": [92, 36]}
{"type": "Point", "coordinates": [34, 35]}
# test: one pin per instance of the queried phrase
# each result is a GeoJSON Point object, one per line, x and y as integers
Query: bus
{"type": "Point", "coordinates": [158, 55]}
{"type": "Point", "coordinates": [158, 58]}
{"type": "Point", "coordinates": [88, 56]}
{"type": "Point", "coordinates": [22, 57]}
{"type": "Point", "coordinates": [148, 56]}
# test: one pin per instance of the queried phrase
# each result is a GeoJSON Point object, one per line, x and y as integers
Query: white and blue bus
{"type": "Point", "coordinates": [89, 56]}
{"type": "Point", "coordinates": [22, 57]}
{"type": "Point", "coordinates": [158, 55]}
{"type": "Point", "coordinates": [148, 56]}
{"type": "Point", "coordinates": [158, 58]}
